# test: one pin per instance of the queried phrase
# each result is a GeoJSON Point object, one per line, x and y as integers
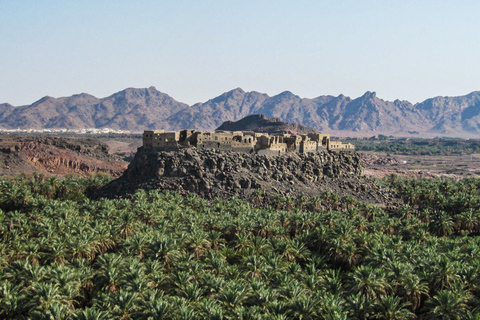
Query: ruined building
{"type": "Point", "coordinates": [241, 141]}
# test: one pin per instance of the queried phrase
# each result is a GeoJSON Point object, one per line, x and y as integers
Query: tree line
{"type": "Point", "coordinates": [416, 146]}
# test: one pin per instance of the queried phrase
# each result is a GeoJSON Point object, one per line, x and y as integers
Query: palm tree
{"type": "Point", "coordinates": [291, 290]}
{"type": "Point", "coordinates": [413, 289]}
{"type": "Point", "coordinates": [198, 243]}
{"type": "Point", "coordinates": [109, 271]}
{"type": "Point", "coordinates": [261, 295]}
{"type": "Point", "coordinates": [442, 224]}
{"type": "Point", "coordinates": [248, 313]}
{"type": "Point", "coordinates": [126, 223]}
{"type": "Point", "coordinates": [470, 315]}
{"type": "Point", "coordinates": [296, 251]}
{"type": "Point", "coordinates": [467, 220]}
{"type": "Point", "coordinates": [392, 308]}
{"type": "Point", "coordinates": [301, 201]}
{"type": "Point", "coordinates": [164, 249]}
{"type": "Point", "coordinates": [13, 303]}
{"type": "Point", "coordinates": [358, 307]}
{"type": "Point", "coordinates": [444, 273]}
{"type": "Point", "coordinates": [254, 265]}
{"type": "Point", "coordinates": [45, 295]}
{"type": "Point", "coordinates": [90, 314]}
{"type": "Point", "coordinates": [14, 197]}
{"type": "Point", "coordinates": [343, 252]}
{"type": "Point", "coordinates": [258, 196]}
{"type": "Point", "coordinates": [55, 311]}
{"type": "Point", "coordinates": [315, 203]}
{"type": "Point", "coordinates": [303, 307]}
{"type": "Point", "coordinates": [122, 305]}
{"type": "Point", "coordinates": [289, 203]}
{"type": "Point", "coordinates": [70, 282]}
{"type": "Point", "coordinates": [190, 291]}
{"type": "Point", "coordinates": [348, 201]}
{"type": "Point", "coordinates": [211, 309]}
{"type": "Point", "coordinates": [22, 272]}
{"type": "Point", "coordinates": [232, 295]}
{"type": "Point", "coordinates": [137, 244]}
{"type": "Point", "coordinates": [332, 281]}
{"type": "Point", "coordinates": [277, 309]}
{"type": "Point", "coordinates": [371, 282]}
{"type": "Point", "coordinates": [445, 305]}
{"type": "Point", "coordinates": [331, 307]}
{"type": "Point", "coordinates": [58, 251]}
{"type": "Point", "coordinates": [215, 239]}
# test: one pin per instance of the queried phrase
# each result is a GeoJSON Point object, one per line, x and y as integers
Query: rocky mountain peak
{"type": "Point", "coordinates": [82, 95]}
{"type": "Point", "coordinates": [45, 99]}
{"type": "Point", "coordinates": [287, 95]}
{"type": "Point", "coordinates": [135, 93]}
{"type": "Point", "coordinates": [237, 91]}
{"type": "Point", "coordinates": [369, 95]}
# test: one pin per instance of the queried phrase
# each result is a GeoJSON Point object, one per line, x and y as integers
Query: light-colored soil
{"type": "Point", "coordinates": [120, 147]}
{"type": "Point", "coordinates": [426, 166]}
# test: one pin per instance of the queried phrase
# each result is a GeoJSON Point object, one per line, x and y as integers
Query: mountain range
{"type": "Point", "coordinates": [138, 109]}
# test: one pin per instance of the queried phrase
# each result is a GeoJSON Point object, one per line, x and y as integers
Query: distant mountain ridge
{"type": "Point", "coordinates": [147, 108]}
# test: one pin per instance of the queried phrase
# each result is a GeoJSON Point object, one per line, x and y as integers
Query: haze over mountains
{"type": "Point", "coordinates": [139, 109]}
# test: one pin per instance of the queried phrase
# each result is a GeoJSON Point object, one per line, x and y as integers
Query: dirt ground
{"type": "Point", "coordinates": [125, 150]}
{"type": "Point", "coordinates": [423, 166]}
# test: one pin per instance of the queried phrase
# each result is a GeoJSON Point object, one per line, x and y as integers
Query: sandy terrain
{"type": "Point", "coordinates": [426, 166]}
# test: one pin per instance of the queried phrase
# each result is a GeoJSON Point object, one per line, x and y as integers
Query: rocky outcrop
{"type": "Point", "coordinates": [260, 123]}
{"type": "Point", "coordinates": [372, 160]}
{"type": "Point", "coordinates": [57, 156]}
{"type": "Point", "coordinates": [214, 174]}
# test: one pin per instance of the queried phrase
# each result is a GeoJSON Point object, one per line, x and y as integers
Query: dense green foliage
{"type": "Point", "coordinates": [164, 256]}
{"type": "Point", "coordinates": [440, 147]}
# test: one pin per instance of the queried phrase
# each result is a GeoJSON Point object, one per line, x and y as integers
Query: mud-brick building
{"type": "Point", "coordinates": [241, 141]}
{"type": "Point", "coordinates": [159, 139]}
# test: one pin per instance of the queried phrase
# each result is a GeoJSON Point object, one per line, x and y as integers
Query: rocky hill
{"type": "Point", "coordinates": [139, 109]}
{"type": "Point", "coordinates": [260, 123]}
{"type": "Point", "coordinates": [214, 174]}
{"type": "Point", "coordinates": [57, 156]}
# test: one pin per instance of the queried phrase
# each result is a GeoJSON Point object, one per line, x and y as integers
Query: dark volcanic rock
{"type": "Point", "coordinates": [214, 174]}
{"type": "Point", "coordinates": [260, 123]}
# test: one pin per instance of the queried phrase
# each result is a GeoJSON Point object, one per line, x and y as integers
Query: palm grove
{"type": "Point", "coordinates": [165, 256]}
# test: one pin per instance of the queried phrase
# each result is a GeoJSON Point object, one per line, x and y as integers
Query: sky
{"type": "Point", "coordinates": [196, 50]}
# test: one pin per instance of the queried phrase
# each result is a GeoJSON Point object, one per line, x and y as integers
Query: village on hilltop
{"type": "Point", "coordinates": [241, 141]}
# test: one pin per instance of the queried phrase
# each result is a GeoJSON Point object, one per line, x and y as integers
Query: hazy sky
{"type": "Point", "coordinates": [196, 50]}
